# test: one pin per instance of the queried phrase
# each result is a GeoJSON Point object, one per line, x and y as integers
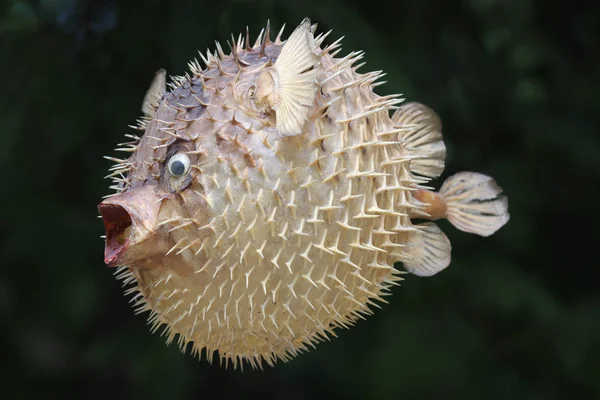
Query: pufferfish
{"type": "Point", "coordinates": [272, 195]}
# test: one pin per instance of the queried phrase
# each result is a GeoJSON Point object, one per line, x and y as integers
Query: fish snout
{"type": "Point", "coordinates": [117, 224]}
{"type": "Point", "coordinates": [130, 220]}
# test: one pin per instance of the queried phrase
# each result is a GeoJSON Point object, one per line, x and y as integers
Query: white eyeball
{"type": "Point", "coordinates": [179, 165]}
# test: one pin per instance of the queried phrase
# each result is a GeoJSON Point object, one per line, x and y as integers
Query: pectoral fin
{"type": "Point", "coordinates": [289, 87]}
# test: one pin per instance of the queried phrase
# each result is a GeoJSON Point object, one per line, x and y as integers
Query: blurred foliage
{"type": "Point", "coordinates": [516, 315]}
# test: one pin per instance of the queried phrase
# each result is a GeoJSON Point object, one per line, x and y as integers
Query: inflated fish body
{"type": "Point", "coordinates": [271, 194]}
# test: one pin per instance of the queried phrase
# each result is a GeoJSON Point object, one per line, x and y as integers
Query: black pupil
{"type": "Point", "coordinates": [177, 168]}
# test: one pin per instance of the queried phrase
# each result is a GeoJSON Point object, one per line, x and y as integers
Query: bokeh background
{"type": "Point", "coordinates": [517, 315]}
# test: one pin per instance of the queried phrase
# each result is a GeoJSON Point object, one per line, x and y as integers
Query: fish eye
{"type": "Point", "coordinates": [251, 92]}
{"type": "Point", "coordinates": [179, 165]}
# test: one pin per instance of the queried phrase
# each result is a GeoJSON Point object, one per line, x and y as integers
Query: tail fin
{"type": "Point", "coordinates": [475, 203]}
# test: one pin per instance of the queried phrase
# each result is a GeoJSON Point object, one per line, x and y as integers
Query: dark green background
{"type": "Point", "coordinates": [516, 316]}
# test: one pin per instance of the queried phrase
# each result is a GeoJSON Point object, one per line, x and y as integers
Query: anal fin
{"type": "Point", "coordinates": [428, 250]}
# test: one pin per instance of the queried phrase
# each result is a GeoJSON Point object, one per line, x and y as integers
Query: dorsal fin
{"type": "Point", "coordinates": [425, 139]}
{"type": "Point", "coordinates": [154, 93]}
{"type": "Point", "coordinates": [428, 249]}
{"type": "Point", "coordinates": [289, 87]}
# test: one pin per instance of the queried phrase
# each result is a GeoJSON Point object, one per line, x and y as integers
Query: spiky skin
{"type": "Point", "coordinates": [277, 241]}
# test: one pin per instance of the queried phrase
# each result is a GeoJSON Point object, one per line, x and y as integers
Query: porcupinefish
{"type": "Point", "coordinates": [272, 194]}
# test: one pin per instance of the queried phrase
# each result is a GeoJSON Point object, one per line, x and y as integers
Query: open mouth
{"type": "Point", "coordinates": [117, 223]}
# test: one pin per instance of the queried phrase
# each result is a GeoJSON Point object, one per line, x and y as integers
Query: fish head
{"type": "Point", "coordinates": [190, 135]}
{"type": "Point", "coordinates": [161, 191]}
{"type": "Point", "coordinates": [219, 125]}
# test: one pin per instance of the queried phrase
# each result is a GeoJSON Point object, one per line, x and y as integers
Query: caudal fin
{"type": "Point", "coordinates": [475, 203]}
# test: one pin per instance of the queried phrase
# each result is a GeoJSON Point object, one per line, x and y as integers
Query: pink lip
{"type": "Point", "coordinates": [116, 223]}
